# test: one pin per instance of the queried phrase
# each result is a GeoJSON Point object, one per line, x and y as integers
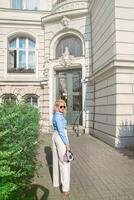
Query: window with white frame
{"type": "Point", "coordinates": [31, 99]}
{"type": "Point", "coordinates": [24, 4]}
{"type": "Point", "coordinates": [73, 43]}
{"type": "Point", "coordinates": [9, 98]}
{"type": "Point", "coordinates": [22, 55]}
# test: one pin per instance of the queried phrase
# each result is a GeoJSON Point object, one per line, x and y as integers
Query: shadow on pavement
{"type": "Point", "coordinates": [127, 152]}
{"type": "Point", "coordinates": [37, 192]}
{"type": "Point", "coordinates": [48, 152]}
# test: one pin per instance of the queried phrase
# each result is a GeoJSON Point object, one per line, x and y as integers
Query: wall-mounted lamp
{"type": "Point", "coordinates": [84, 80]}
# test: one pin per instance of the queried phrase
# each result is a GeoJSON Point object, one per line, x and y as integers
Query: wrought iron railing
{"type": "Point", "coordinates": [77, 123]}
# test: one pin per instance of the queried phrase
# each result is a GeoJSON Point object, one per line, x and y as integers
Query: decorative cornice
{"type": "Point", "coordinates": [58, 16]}
{"type": "Point", "coordinates": [112, 65]}
{"type": "Point", "coordinates": [20, 22]}
{"type": "Point", "coordinates": [70, 5]}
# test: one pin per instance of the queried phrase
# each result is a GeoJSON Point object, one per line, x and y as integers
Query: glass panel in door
{"type": "Point", "coordinates": [69, 88]}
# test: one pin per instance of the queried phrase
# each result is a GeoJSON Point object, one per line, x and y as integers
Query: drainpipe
{"type": "Point", "coordinates": [93, 106]}
{"type": "Point", "coordinates": [92, 70]}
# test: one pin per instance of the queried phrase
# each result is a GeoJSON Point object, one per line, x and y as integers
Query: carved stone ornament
{"type": "Point", "coordinates": [66, 59]}
{"type": "Point", "coordinates": [1, 91]}
{"type": "Point", "coordinates": [17, 91]}
{"type": "Point", "coordinates": [46, 68]}
{"type": "Point", "coordinates": [65, 22]}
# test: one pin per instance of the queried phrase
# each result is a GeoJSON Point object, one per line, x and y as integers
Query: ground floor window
{"type": "Point", "coordinates": [31, 99]}
{"type": "Point", "coordinates": [9, 98]}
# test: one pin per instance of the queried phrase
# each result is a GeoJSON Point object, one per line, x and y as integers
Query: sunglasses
{"type": "Point", "coordinates": [62, 106]}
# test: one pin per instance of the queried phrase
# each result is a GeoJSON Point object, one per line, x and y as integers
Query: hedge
{"type": "Point", "coordinates": [19, 129]}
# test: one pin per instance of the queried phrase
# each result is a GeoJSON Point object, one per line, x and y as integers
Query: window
{"type": "Point", "coordinates": [32, 4]}
{"type": "Point", "coordinates": [9, 98]}
{"type": "Point", "coordinates": [16, 4]}
{"type": "Point", "coordinates": [24, 4]}
{"type": "Point", "coordinates": [31, 99]}
{"type": "Point", "coordinates": [75, 49]}
{"type": "Point", "coordinates": [22, 55]}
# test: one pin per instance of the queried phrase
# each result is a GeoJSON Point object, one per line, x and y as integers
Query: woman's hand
{"type": "Point", "coordinates": [68, 147]}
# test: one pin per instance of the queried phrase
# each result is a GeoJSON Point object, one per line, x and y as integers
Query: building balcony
{"type": "Point", "coordinates": [69, 5]}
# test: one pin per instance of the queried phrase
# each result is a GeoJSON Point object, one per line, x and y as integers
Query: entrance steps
{"type": "Point", "coordinates": [78, 129]}
{"type": "Point", "coordinates": [71, 130]}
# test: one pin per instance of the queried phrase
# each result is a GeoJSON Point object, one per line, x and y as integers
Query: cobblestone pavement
{"type": "Point", "coordinates": [99, 172]}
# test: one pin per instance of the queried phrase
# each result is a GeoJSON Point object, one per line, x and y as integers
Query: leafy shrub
{"type": "Point", "coordinates": [19, 128]}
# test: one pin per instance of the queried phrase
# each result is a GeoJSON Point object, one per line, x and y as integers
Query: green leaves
{"type": "Point", "coordinates": [19, 129]}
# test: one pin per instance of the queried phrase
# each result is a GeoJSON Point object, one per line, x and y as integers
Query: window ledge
{"type": "Point", "coordinates": [21, 70]}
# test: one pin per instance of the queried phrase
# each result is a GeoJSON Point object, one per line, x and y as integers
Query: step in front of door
{"type": "Point", "coordinates": [79, 130]}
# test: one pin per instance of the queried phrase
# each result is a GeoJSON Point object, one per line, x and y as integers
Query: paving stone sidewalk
{"type": "Point", "coordinates": [99, 172]}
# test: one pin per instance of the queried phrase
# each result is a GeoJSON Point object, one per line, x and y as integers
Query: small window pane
{"type": "Point", "coordinates": [76, 103]}
{"type": "Point", "coordinates": [12, 44]}
{"type": "Point", "coordinates": [22, 59]}
{"type": "Point", "coordinates": [28, 100]}
{"type": "Point", "coordinates": [31, 44]}
{"type": "Point", "coordinates": [32, 4]}
{"type": "Point", "coordinates": [22, 43]}
{"type": "Point", "coordinates": [33, 100]}
{"type": "Point", "coordinates": [17, 4]}
{"type": "Point", "coordinates": [9, 98]}
{"type": "Point", "coordinates": [12, 59]}
{"type": "Point", "coordinates": [31, 59]}
{"type": "Point", "coordinates": [77, 87]}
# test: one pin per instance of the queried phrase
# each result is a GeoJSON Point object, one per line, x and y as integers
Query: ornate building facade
{"type": "Point", "coordinates": [80, 51]}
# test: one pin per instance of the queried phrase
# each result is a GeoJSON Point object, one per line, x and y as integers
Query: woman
{"type": "Point", "coordinates": [61, 169]}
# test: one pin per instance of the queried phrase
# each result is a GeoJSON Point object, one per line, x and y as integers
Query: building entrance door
{"type": "Point", "coordinates": [69, 88]}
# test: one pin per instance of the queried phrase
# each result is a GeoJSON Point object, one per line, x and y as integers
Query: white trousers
{"type": "Point", "coordinates": [61, 169]}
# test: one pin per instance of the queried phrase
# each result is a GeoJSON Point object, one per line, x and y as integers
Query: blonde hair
{"type": "Point", "coordinates": [57, 104]}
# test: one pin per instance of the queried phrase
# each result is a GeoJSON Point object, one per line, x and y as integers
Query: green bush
{"type": "Point", "coordinates": [19, 129]}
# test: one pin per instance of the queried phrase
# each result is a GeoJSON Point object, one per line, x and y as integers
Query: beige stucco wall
{"type": "Point", "coordinates": [125, 106]}
{"type": "Point", "coordinates": [103, 33]}
{"type": "Point", "coordinates": [124, 19]}
{"type": "Point", "coordinates": [111, 94]}
{"type": "Point", "coordinates": [102, 113]}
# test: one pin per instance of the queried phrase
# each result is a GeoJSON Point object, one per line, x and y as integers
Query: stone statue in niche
{"type": "Point", "coordinates": [66, 54]}
{"type": "Point", "coordinates": [66, 58]}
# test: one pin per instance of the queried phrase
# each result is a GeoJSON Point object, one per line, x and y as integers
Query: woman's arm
{"type": "Point", "coordinates": [60, 128]}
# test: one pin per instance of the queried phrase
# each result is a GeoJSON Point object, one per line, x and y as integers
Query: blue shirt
{"type": "Point", "coordinates": [59, 124]}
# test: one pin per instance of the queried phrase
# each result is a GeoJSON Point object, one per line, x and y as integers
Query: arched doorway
{"type": "Point", "coordinates": [68, 80]}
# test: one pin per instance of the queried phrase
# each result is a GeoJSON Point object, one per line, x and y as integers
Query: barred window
{"type": "Point", "coordinates": [9, 98]}
{"type": "Point", "coordinates": [31, 99]}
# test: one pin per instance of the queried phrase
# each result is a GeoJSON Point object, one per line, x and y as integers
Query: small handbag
{"type": "Point", "coordinates": [68, 156]}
